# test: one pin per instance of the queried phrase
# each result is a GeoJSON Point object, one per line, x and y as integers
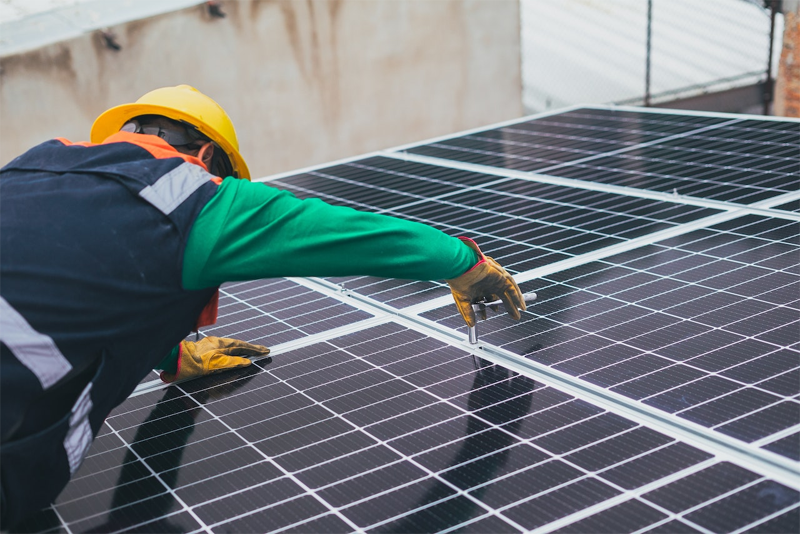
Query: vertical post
{"type": "Point", "coordinates": [769, 84]}
{"type": "Point", "coordinates": [647, 61]}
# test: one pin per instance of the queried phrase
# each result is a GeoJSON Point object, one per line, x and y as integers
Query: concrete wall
{"type": "Point", "coordinates": [305, 81]}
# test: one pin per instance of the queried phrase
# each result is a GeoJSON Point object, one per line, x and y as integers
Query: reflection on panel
{"type": "Point", "coordinates": [542, 143]}
{"type": "Point", "coordinates": [385, 430]}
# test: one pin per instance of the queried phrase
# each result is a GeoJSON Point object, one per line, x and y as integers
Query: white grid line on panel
{"type": "Point", "coordinates": [619, 121]}
{"type": "Point", "coordinates": [403, 457]}
{"type": "Point", "coordinates": [587, 446]}
{"type": "Point", "coordinates": [254, 308]}
{"type": "Point", "coordinates": [420, 177]}
{"type": "Point", "coordinates": [384, 443]}
{"type": "Point", "coordinates": [588, 139]}
{"type": "Point", "coordinates": [686, 363]}
{"type": "Point", "coordinates": [762, 408]}
{"type": "Point", "coordinates": [767, 518]}
{"type": "Point", "coordinates": [619, 499]}
{"type": "Point", "coordinates": [464, 493]}
{"type": "Point", "coordinates": [779, 468]}
{"type": "Point", "coordinates": [61, 519]}
{"type": "Point", "coordinates": [180, 501]}
{"type": "Point", "coordinates": [480, 188]}
{"type": "Point", "coordinates": [666, 311]}
{"type": "Point", "coordinates": [682, 514]}
{"type": "Point", "coordinates": [540, 176]}
{"type": "Point", "coordinates": [595, 255]}
{"type": "Point", "coordinates": [520, 441]}
{"type": "Point", "coordinates": [305, 488]}
{"type": "Point", "coordinates": [596, 154]}
{"type": "Point", "coordinates": [668, 519]}
{"type": "Point", "coordinates": [419, 198]}
{"type": "Point", "coordinates": [694, 113]}
{"type": "Point", "coordinates": [471, 131]}
{"type": "Point", "coordinates": [698, 283]}
{"type": "Point", "coordinates": [622, 150]}
{"type": "Point", "coordinates": [777, 436]}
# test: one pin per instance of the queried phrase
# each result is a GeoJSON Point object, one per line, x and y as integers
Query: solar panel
{"type": "Point", "coordinates": [384, 429]}
{"type": "Point", "coordinates": [654, 386]}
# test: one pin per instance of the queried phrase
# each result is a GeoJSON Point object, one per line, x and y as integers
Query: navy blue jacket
{"type": "Point", "coordinates": [91, 250]}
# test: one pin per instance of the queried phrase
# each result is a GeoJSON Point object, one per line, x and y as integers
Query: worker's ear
{"type": "Point", "coordinates": [206, 154]}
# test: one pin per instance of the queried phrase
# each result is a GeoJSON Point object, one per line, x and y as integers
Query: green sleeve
{"type": "Point", "coordinates": [250, 230]}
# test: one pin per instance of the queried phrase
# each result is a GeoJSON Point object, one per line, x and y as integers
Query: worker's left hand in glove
{"type": "Point", "coordinates": [211, 355]}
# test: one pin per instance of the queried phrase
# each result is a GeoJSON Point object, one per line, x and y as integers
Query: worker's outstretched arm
{"type": "Point", "coordinates": [250, 231]}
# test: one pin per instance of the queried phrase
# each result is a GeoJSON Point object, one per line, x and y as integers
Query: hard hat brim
{"type": "Point", "coordinates": [110, 121]}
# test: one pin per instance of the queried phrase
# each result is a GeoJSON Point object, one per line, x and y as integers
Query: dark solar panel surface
{"type": "Point", "coordinates": [278, 311]}
{"type": "Point", "coordinates": [705, 325]}
{"type": "Point", "coordinates": [372, 425]}
{"type": "Point", "coordinates": [271, 312]}
{"type": "Point", "coordinates": [675, 154]}
{"type": "Point", "coordinates": [524, 224]}
{"type": "Point", "coordinates": [575, 135]}
{"type": "Point", "coordinates": [388, 430]}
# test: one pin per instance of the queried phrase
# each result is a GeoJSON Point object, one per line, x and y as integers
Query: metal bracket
{"type": "Point", "coordinates": [481, 306]}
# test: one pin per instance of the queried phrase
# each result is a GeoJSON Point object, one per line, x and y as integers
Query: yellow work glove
{"type": "Point", "coordinates": [486, 280]}
{"type": "Point", "coordinates": [211, 355]}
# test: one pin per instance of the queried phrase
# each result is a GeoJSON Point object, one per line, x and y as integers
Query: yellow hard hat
{"type": "Point", "coordinates": [182, 103]}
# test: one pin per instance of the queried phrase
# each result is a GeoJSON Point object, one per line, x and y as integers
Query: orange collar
{"type": "Point", "coordinates": [155, 145]}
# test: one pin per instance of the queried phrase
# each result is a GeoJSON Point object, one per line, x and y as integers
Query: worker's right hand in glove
{"type": "Point", "coordinates": [486, 280]}
{"type": "Point", "coordinates": [211, 355]}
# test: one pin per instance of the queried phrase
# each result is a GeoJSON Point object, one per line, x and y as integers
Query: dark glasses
{"type": "Point", "coordinates": [175, 136]}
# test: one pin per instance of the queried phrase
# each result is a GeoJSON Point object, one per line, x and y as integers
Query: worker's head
{"type": "Point", "coordinates": [186, 119]}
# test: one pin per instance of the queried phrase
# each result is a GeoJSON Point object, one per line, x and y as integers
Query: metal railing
{"type": "Point", "coordinates": [714, 55]}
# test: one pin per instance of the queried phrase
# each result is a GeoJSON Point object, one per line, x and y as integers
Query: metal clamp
{"type": "Point", "coordinates": [480, 306]}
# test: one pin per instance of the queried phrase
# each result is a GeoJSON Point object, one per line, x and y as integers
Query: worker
{"type": "Point", "coordinates": [112, 252]}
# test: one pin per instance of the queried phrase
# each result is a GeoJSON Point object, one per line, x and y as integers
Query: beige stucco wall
{"type": "Point", "coordinates": [305, 81]}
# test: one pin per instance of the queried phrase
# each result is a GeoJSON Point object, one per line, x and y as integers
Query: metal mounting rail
{"type": "Point", "coordinates": [760, 461]}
